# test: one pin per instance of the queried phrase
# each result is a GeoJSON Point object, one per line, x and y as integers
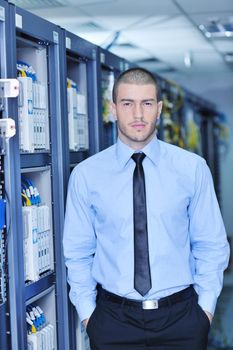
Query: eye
{"type": "Point", "coordinates": [127, 104]}
{"type": "Point", "coordinates": [147, 103]}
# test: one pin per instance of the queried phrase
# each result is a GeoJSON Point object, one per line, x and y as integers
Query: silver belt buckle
{"type": "Point", "coordinates": [150, 304]}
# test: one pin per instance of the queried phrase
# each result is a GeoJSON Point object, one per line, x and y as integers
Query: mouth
{"type": "Point", "coordinates": [138, 126]}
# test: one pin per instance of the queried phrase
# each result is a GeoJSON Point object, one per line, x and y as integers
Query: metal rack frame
{"type": "Point", "coordinates": [4, 307]}
{"type": "Point", "coordinates": [81, 51]}
{"type": "Point", "coordinates": [47, 34]}
{"type": "Point", "coordinates": [106, 60]}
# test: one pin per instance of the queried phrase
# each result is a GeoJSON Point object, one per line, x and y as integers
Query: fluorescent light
{"type": "Point", "coordinates": [216, 29]}
{"type": "Point", "coordinates": [229, 57]}
{"type": "Point", "coordinates": [188, 59]}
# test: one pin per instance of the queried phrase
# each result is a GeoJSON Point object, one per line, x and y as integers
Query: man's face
{"type": "Point", "coordinates": [136, 111]}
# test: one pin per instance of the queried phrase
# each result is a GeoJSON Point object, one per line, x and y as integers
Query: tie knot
{"type": "Point", "coordinates": [138, 157]}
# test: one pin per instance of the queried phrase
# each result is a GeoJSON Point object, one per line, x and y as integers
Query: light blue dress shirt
{"type": "Point", "coordinates": [187, 239]}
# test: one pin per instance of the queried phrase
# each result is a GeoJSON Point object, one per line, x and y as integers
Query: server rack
{"type": "Point", "coordinates": [210, 144]}
{"type": "Point", "coordinates": [4, 226]}
{"type": "Point", "coordinates": [170, 128]}
{"type": "Point", "coordinates": [79, 63]}
{"type": "Point", "coordinates": [78, 59]}
{"type": "Point", "coordinates": [38, 46]}
{"type": "Point", "coordinates": [109, 67]}
{"type": "Point", "coordinates": [185, 114]}
{"type": "Point", "coordinates": [205, 118]}
{"type": "Point", "coordinates": [4, 306]}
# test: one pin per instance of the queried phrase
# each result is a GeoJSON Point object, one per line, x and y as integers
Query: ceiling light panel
{"type": "Point", "coordinates": [166, 40]}
{"type": "Point", "coordinates": [217, 29]}
{"type": "Point", "coordinates": [207, 62]}
{"type": "Point", "coordinates": [89, 27]}
{"type": "Point", "coordinates": [154, 21]}
{"type": "Point", "coordinates": [97, 38]}
{"type": "Point", "coordinates": [224, 45]}
{"type": "Point", "coordinates": [229, 57]}
{"type": "Point", "coordinates": [158, 67]}
{"type": "Point", "coordinates": [210, 6]}
{"type": "Point", "coordinates": [132, 8]}
{"type": "Point", "coordinates": [130, 14]}
{"type": "Point", "coordinates": [177, 34]}
{"type": "Point", "coordinates": [89, 2]}
{"type": "Point", "coordinates": [61, 15]}
{"type": "Point", "coordinates": [36, 4]}
{"type": "Point", "coordinates": [131, 55]}
{"type": "Point", "coordinates": [115, 23]}
{"type": "Point", "coordinates": [202, 62]}
{"type": "Point", "coordinates": [173, 23]}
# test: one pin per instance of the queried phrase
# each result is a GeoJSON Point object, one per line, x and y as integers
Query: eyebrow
{"type": "Point", "coordinates": [131, 100]}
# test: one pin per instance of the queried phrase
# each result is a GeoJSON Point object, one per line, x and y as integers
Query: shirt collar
{"type": "Point", "coordinates": [124, 152]}
{"type": "Point", "coordinates": [152, 150]}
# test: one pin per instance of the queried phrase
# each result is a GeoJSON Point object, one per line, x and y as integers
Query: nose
{"type": "Point", "coordinates": [138, 111]}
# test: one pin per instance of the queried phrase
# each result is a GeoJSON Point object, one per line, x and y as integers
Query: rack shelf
{"type": "Point", "coordinates": [37, 159]}
{"type": "Point", "coordinates": [32, 290]}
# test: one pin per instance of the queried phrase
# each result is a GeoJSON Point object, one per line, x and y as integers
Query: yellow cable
{"type": "Point", "coordinates": [33, 329]}
{"type": "Point", "coordinates": [28, 202]}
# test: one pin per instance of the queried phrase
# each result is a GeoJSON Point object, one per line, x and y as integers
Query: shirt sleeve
{"type": "Point", "coordinates": [209, 245]}
{"type": "Point", "coordinates": [79, 242]}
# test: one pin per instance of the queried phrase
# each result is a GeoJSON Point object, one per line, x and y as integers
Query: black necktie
{"type": "Point", "coordinates": [142, 278]}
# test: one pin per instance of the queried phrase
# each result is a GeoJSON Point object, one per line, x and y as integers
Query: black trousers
{"type": "Point", "coordinates": [180, 326]}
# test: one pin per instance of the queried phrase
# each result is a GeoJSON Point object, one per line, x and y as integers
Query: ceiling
{"type": "Point", "coordinates": [160, 35]}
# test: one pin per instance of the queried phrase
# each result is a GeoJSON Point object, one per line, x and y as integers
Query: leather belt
{"type": "Point", "coordinates": [146, 304]}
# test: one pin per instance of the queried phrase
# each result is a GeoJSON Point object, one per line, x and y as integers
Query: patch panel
{"type": "Point", "coordinates": [40, 332]}
{"type": "Point", "coordinates": [2, 236]}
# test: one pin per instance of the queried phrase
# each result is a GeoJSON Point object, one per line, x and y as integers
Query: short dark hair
{"type": "Point", "coordinates": [137, 75]}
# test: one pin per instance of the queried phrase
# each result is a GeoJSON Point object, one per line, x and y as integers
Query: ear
{"type": "Point", "coordinates": [160, 106]}
{"type": "Point", "coordinates": [113, 110]}
{"type": "Point", "coordinates": [159, 110]}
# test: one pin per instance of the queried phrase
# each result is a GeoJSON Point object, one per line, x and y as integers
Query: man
{"type": "Point", "coordinates": [144, 240]}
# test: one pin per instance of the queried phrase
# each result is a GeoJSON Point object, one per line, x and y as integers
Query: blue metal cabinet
{"type": "Point", "coordinates": [5, 339]}
{"type": "Point", "coordinates": [79, 68]}
{"type": "Point", "coordinates": [30, 36]}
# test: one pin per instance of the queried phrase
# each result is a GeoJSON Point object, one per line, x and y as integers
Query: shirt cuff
{"type": "Point", "coordinates": [207, 302]}
{"type": "Point", "coordinates": [85, 309]}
